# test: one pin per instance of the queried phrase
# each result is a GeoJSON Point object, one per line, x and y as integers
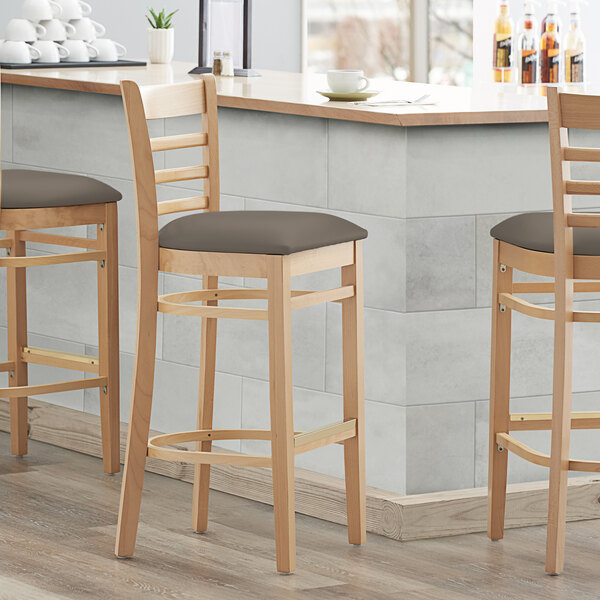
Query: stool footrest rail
{"type": "Point", "coordinates": [50, 388]}
{"type": "Point", "coordinates": [504, 440]}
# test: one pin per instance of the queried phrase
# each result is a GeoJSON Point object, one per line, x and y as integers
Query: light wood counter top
{"type": "Point", "coordinates": [294, 93]}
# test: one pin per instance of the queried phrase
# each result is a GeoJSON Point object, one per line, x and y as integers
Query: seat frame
{"type": "Point", "coordinates": [20, 226]}
{"type": "Point", "coordinates": [199, 97]}
{"type": "Point", "coordinates": [572, 274]}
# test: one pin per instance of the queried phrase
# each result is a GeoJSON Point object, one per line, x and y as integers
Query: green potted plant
{"type": "Point", "coordinates": [161, 36]}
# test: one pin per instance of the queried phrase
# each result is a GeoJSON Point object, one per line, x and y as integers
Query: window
{"type": "Point", "coordinates": [393, 38]}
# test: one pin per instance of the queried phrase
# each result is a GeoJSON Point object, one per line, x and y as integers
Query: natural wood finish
{"type": "Point", "coordinates": [167, 207]}
{"type": "Point", "coordinates": [16, 294]}
{"type": "Point", "coordinates": [577, 111]}
{"type": "Point", "coordinates": [51, 259]}
{"type": "Point", "coordinates": [52, 388]}
{"type": "Point", "coordinates": [583, 220]}
{"type": "Point", "coordinates": [527, 308]}
{"type": "Point", "coordinates": [330, 434]}
{"type": "Point", "coordinates": [178, 142]}
{"type": "Point", "coordinates": [64, 360]}
{"type": "Point", "coordinates": [173, 100]}
{"type": "Point", "coordinates": [539, 287]}
{"type": "Point", "coordinates": [50, 218]}
{"type": "Point", "coordinates": [180, 174]}
{"type": "Point", "coordinates": [397, 517]}
{"type": "Point", "coordinates": [6, 366]}
{"type": "Point", "coordinates": [295, 94]}
{"type": "Point", "coordinates": [582, 188]}
{"type": "Point", "coordinates": [204, 417]}
{"type": "Point", "coordinates": [507, 442]}
{"type": "Point", "coordinates": [59, 240]}
{"type": "Point", "coordinates": [499, 397]}
{"type": "Point", "coordinates": [321, 259]}
{"type": "Point", "coordinates": [313, 298]}
{"type": "Point", "coordinates": [543, 421]}
{"type": "Point", "coordinates": [581, 154]}
{"type": "Point", "coordinates": [253, 314]}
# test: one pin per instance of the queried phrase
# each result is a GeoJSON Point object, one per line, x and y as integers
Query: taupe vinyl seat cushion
{"type": "Point", "coordinates": [257, 232]}
{"type": "Point", "coordinates": [535, 231]}
{"type": "Point", "coordinates": [41, 189]}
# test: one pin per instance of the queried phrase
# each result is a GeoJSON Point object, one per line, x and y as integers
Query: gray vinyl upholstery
{"type": "Point", "coordinates": [42, 189]}
{"type": "Point", "coordinates": [257, 232]}
{"type": "Point", "coordinates": [535, 231]}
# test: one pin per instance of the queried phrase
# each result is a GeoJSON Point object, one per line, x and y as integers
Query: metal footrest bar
{"type": "Point", "coordinates": [543, 421]}
{"type": "Point", "coordinates": [64, 360]}
{"type": "Point", "coordinates": [51, 388]}
{"type": "Point", "coordinates": [504, 440]}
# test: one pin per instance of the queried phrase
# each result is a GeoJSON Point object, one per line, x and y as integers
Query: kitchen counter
{"type": "Point", "coordinates": [294, 94]}
{"type": "Point", "coordinates": [428, 194]}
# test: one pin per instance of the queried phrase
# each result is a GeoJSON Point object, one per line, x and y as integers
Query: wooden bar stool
{"type": "Point", "coordinates": [566, 246]}
{"type": "Point", "coordinates": [270, 245]}
{"type": "Point", "coordinates": [32, 200]}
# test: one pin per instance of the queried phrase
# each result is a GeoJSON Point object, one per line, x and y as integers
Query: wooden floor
{"type": "Point", "coordinates": [57, 523]}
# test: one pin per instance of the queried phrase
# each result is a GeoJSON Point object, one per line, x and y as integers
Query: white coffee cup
{"type": "Point", "coordinates": [346, 81]}
{"type": "Point", "coordinates": [56, 30]}
{"type": "Point", "coordinates": [86, 29]}
{"type": "Point", "coordinates": [108, 51]}
{"type": "Point", "coordinates": [40, 10]}
{"type": "Point", "coordinates": [50, 52]}
{"type": "Point", "coordinates": [79, 51]}
{"type": "Point", "coordinates": [22, 30]}
{"type": "Point", "coordinates": [74, 9]}
{"type": "Point", "coordinates": [18, 52]}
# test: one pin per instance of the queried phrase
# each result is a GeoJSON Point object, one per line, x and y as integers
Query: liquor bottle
{"type": "Point", "coordinates": [552, 14]}
{"type": "Point", "coordinates": [574, 48]}
{"type": "Point", "coordinates": [503, 33]}
{"type": "Point", "coordinates": [528, 49]}
{"type": "Point", "coordinates": [550, 51]}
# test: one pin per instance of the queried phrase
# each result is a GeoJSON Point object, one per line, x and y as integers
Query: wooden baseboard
{"type": "Point", "coordinates": [398, 517]}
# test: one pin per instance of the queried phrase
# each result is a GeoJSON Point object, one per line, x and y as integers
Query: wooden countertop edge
{"type": "Point", "coordinates": [307, 110]}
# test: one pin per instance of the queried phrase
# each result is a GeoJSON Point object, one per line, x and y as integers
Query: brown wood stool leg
{"type": "Point", "coordinates": [141, 401]}
{"type": "Point", "coordinates": [206, 392]}
{"type": "Point", "coordinates": [354, 398]}
{"type": "Point", "coordinates": [16, 291]}
{"type": "Point", "coordinates": [282, 425]}
{"type": "Point", "coordinates": [561, 428]}
{"type": "Point", "coordinates": [499, 397]}
{"type": "Point", "coordinates": [108, 340]}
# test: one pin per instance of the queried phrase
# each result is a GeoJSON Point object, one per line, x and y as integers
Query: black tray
{"type": "Point", "coordinates": [73, 65]}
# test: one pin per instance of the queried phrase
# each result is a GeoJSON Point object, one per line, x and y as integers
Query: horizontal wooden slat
{"type": "Point", "coordinates": [547, 287]}
{"type": "Point", "coordinates": [52, 259]}
{"type": "Point", "coordinates": [212, 312]}
{"type": "Point", "coordinates": [6, 242]}
{"type": "Point", "coordinates": [583, 220]}
{"type": "Point", "coordinates": [180, 174]}
{"type": "Point", "coordinates": [7, 366]}
{"type": "Point", "coordinates": [527, 308]}
{"type": "Point", "coordinates": [52, 388]}
{"type": "Point", "coordinates": [331, 434]}
{"type": "Point", "coordinates": [312, 298]}
{"type": "Point", "coordinates": [173, 100]}
{"type": "Point", "coordinates": [582, 188]}
{"type": "Point", "coordinates": [182, 204]}
{"type": "Point", "coordinates": [580, 111]}
{"type": "Point", "coordinates": [59, 240]}
{"type": "Point", "coordinates": [64, 360]}
{"type": "Point", "coordinates": [543, 421]}
{"type": "Point", "coordinates": [177, 142]}
{"type": "Point", "coordinates": [581, 154]}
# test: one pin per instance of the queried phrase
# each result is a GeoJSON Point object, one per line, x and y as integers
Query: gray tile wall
{"type": "Point", "coordinates": [428, 197]}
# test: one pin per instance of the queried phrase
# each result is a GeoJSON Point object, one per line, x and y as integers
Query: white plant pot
{"type": "Point", "coordinates": [161, 45]}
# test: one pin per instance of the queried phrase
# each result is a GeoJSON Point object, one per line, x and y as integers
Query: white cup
{"type": "Point", "coordinates": [50, 52]}
{"type": "Point", "coordinates": [346, 81]}
{"type": "Point", "coordinates": [22, 30]}
{"type": "Point", "coordinates": [108, 51]}
{"type": "Point", "coordinates": [40, 10]}
{"type": "Point", "coordinates": [79, 51]}
{"type": "Point", "coordinates": [74, 9]}
{"type": "Point", "coordinates": [18, 52]}
{"type": "Point", "coordinates": [86, 29]}
{"type": "Point", "coordinates": [56, 30]}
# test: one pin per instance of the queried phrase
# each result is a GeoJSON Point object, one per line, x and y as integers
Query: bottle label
{"type": "Point", "coordinates": [551, 65]}
{"type": "Point", "coordinates": [502, 50]}
{"type": "Point", "coordinates": [574, 68]}
{"type": "Point", "coordinates": [529, 66]}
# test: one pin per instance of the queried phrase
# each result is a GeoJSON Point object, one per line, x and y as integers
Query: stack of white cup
{"type": "Point", "coordinates": [51, 31]}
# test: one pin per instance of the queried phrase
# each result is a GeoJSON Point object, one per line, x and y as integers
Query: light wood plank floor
{"type": "Point", "coordinates": [57, 525]}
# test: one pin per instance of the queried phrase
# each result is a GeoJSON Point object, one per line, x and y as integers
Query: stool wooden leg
{"type": "Point", "coordinates": [561, 427]}
{"type": "Point", "coordinates": [108, 340]}
{"type": "Point", "coordinates": [499, 397]}
{"type": "Point", "coordinates": [206, 394]}
{"type": "Point", "coordinates": [141, 401]}
{"type": "Point", "coordinates": [354, 398]}
{"type": "Point", "coordinates": [282, 426]}
{"type": "Point", "coordinates": [16, 289]}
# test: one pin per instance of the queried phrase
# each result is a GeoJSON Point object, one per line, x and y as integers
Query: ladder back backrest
{"type": "Point", "coordinates": [198, 97]}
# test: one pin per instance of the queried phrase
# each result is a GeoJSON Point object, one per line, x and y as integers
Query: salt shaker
{"type": "Point", "coordinates": [227, 61]}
